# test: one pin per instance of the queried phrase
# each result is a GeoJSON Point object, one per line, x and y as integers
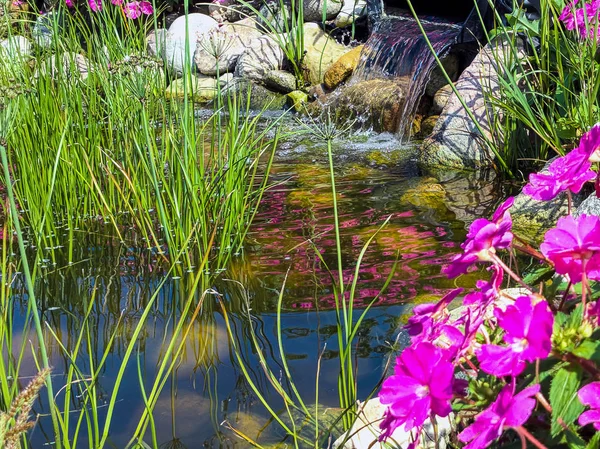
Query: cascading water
{"type": "Point", "coordinates": [397, 50]}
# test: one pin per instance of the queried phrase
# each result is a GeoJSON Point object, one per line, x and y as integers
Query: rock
{"type": "Point", "coordinates": [297, 100]}
{"type": "Point", "coordinates": [589, 206]}
{"type": "Point", "coordinates": [15, 48]}
{"type": "Point", "coordinates": [321, 52]}
{"type": "Point", "coordinates": [262, 56]}
{"type": "Point", "coordinates": [156, 41]}
{"type": "Point", "coordinates": [365, 431]}
{"type": "Point", "coordinates": [440, 99]}
{"type": "Point", "coordinates": [261, 98]}
{"type": "Point", "coordinates": [343, 68]}
{"type": "Point", "coordinates": [66, 66]}
{"type": "Point", "coordinates": [456, 141]}
{"type": "Point", "coordinates": [437, 80]}
{"type": "Point", "coordinates": [376, 103]}
{"type": "Point", "coordinates": [201, 89]}
{"type": "Point", "coordinates": [233, 40]}
{"type": "Point", "coordinates": [280, 81]}
{"type": "Point", "coordinates": [175, 56]}
{"type": "Point", "coordinates": [43, 30]}
{"type": "Point", "coordinates": [532, 218]}
{"type": "Point", "coordinates": [428, 124]}
{"type": "Point", "coordinates": [350, 12]}
{"type": "Point", "coordinates": [12, 14]}
{"type": "Point", "coordinates": [318, 92]}
{"type": "Point", "coordinates": [313, 9]}
{"type": "Point", "coordinates": [426, 194]}
{"type": "Point", "coordinates": [272, 18]}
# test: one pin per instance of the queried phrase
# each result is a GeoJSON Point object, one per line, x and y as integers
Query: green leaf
{"type": "Point", "coordinates": [563, 398]}
{"type": "Point", "coordinates": [573, 440]}
{"type": "Point", "coordinates": [594, 442]}
{"type": "Point", "coordinates": [589, 350]}
{"type": "Point", "coordinates": [538, 275]}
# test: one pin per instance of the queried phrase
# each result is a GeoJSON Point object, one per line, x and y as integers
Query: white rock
{"type": "Point", "coordinates": [351, 10]}
{"type": "Point", "coordinates": [68, 65]}
{"type": "Point", "coordinates": [262, 55]}
{"type": "Point", "coordinates": [156, 41]}
{"type": "Point", "coordinates": [313, 9]}
{"type": "Point", "coordinates": [233, 38]}
{"type": "Point", "coordinates": [365, 432]}
{"type": "Point", "coordinates": [43, 31]}
{"type": "Point", "coordinates": [175, 55]}
{"type": "Point", "coordinates": [15, 48]}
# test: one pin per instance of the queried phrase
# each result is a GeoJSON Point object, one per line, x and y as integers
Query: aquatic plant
{"type": "Point", "coordinates": [498, 351]}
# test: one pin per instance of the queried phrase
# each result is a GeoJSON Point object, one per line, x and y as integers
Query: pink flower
{"type": "Point", "coordinates": [581, 19]}
{"type": "Point", "coordinates": [421, 385]}
{"type": "Point", "coordinates": [528, 334]}
{"type": "Point", "coordinates": [117, 2]}
{"type": "Point", "coordinates": [95, 5]}
{"type": "Point", "coordinates": [483, 239]}
{"type": "Point", "coordinates": [574, 245]}
{"type": "Point", "coordinates": [425, 317]}
{"type": "Point", "coordinates": [508, 410]}
{"type": "Point", "coordinates": [590, 396]}
{"type": "Point", "coordinates": [69, 3]}
{"type": "Point", "coordinates": [146, 7]}
{"type": "Point", "coordinates": [489, 290]}
{"type": "Point", "coordinates": [132, 10]}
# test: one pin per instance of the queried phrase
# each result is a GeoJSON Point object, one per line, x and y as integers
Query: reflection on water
{"type": "Point", "coordinates": [114, 286]}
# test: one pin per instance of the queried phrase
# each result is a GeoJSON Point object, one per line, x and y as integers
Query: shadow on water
{"type": "Point", "coordinates": [206, 388]}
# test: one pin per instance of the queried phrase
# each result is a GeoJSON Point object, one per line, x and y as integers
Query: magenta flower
{"type": "Point", "coordinates": [135, 9]}
{"type": "Point", "coordinates": [95, 5]}
{"type": "Point", "coordinates": [421, 385]}
{"type": "Point", "coordinates": [69, 3]}
{"type": "Point", "coordinates": [117, 2]}
{"type": "Point", "coordinates": [508, 410]}
{"type": "Point", "coordinates": [146, 8]}
{"type": "Point", "coordinates": [574, 247]}
{"type": "Point", "coordinates": [426, 316]}
{"type": "Point", "coordinates": [582, 19]}
{"type": "Point", "coordinates": [590, 396]}
{"type": "Point", "coordinates": [528, 334]}
{"type": "Point", "coordinates": [483, 239]}
{"type": "Point", "coordinates": [488, 290]}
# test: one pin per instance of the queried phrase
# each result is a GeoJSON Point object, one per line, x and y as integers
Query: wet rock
{"type": "Point", "coordinates": [428, 124]}
{"type": "Point", "coordinates": [14, 49]}
{"type": "Point", "coordinates": [272, 18]}
{"type": "Point", "coordinates": [374, 103]}
{"type": "Point", "coordinates": [589, 206]}
{"type": "Point", "coordinates": [437, 80]}
{"type": "Point", "coordinates": [350, 12]}
{"type": "Point", "coordinates": [66, 66]}
{"type": "Point", "coordinates": [440, 99]}
{"type": "Point", "coordinates": [156, 41]}
{"type": "Point", "coordinates": [532, 218]}
{"type": "Point", "coordinates": [456, 141]}
{"type": "Point", "coordinates": [280, 81]}
{"type": "Point", "coordinates": [175, 54]}
{"type": "Point", "coordinates": [365, 431]}
{"type": "Point", "coordinates": [230, 42]}
{"type": "Point", "coordinates": [261, 57]}
{"type": "Point", "coordinates": [261, 98]}
{"type": "Point", "coordinates": [314, 9]}
{"type": "Point", "coordinates": [297, 100]}
{"type": "Point", "coordinates": [317, 92]}
{"type": "Point", "coordinates": [321, 52]}
{"type": "Point", "coordinates": [428, 194]}
{"type": "Point", "coordinates": [200, 88]}
{"type": "Point", "coordinates": [343, 68]}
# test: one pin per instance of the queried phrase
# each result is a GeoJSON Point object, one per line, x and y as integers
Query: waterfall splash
{"type": "Point", "coordinates": [396, 49]}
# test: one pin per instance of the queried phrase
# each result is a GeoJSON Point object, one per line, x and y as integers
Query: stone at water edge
{"type": "Point", "coordinates": [427, 125]}
{"type": "Point", "coordinates": [365, 431]}
{"type": "Point", "coordinates": [351, 11]}
{"type": "Point", "coordinates": [202, 89]}
{"type": "Point", "coordinates": [298, 100]}
{"type": "Point", "coordinates": [456, 141]}
{"type": "Point", "coordinates": [343, 68]}
{"type": "Point", "coordinates": [321, 52]}
{"type": "Point", "coordinates": [15, 48]}
{"type": "Point", "coordinates": [175, 55]}
{"type": "Point", "coordinates": [156, 41]}
{"type": "Point", "coordinates": [437, 80]}
{"type": "Point", "coordinates": [280, 81]}
{"type": "Point", "coordinates": [262, 56]}
{"type": "Point", "coordinates": [313, 9]}
{"type": "Point", "coordinates": [260, 97]}
{"type": "Point", "coordinates": [440, 99]}
{"type": "Point", "coordinates": [236, 38]}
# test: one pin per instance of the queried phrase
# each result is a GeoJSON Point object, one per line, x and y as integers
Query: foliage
{"type": "Point", "coordinates": [524, 359]}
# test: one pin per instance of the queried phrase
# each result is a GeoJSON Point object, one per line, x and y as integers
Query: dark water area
{"type": "Point", "coordinates": [206, 391]}
{"type": "Point", "coordinates": [396, 49]}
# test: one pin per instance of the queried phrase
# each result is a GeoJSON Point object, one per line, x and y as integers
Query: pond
{"type": "Point", "coordinates": [206, 391]}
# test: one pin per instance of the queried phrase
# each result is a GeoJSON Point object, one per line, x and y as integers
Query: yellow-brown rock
{"type": "Point", "coordinates": [343, 68]}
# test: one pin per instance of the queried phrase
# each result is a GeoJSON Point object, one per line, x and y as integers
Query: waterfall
{"type": "Point", "coordinates": [396, 49]}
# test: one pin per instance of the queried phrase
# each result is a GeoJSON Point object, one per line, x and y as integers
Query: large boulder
{"type": "Point", "coordinates": [175, 47]}
{"type": "Point", "coordinates": [440, 99]}
{"type": "Point", "coordinates": [314, 9]}
{"type": "Point", "coordinates": [456, 141]}
{"type": "Point", "coordinates": [532, 218]}
{"type": "Point", "coordinates": [321, 51]}
{"type": "Point", "coordinates": [589, 206]}
{"type": "Point", "coordinates": [15, 49]}
{"type": "Point", "coordinates": [263, 55]}
{"type": "Point", "coordinates": [200, 88]}
{"type": "Point", "coordinates": [156, 41]}
{"type": "Point", "coordinates": [280, 81]}
{"type": "Point", "coordinates": [351, 11]}
{"type": "Point", "coordinates": [230, 42]}
{"type": "Point", "coordinates": [275, 16]}
{"type": "Point", "coordinates": [375, 104]}
{"type": "Point", "coordinates": [343, 68]}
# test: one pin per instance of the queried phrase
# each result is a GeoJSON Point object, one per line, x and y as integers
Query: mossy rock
{"type": "Point", "coordinates": [298, 100]}
{"type": "Point", "coordinates": [384, 158]}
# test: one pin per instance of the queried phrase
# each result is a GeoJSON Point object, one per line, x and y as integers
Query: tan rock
{"type": "Point", "coordinates": [201, 89]}
{"type": "Point", "coordinates": [321, 52]}
{"type": "Point", "coordinates": [343, 68]}
{"type": "Point", "coordinates": [440, 99]}
{"type": "Point", "coordinates": [428, 124]}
